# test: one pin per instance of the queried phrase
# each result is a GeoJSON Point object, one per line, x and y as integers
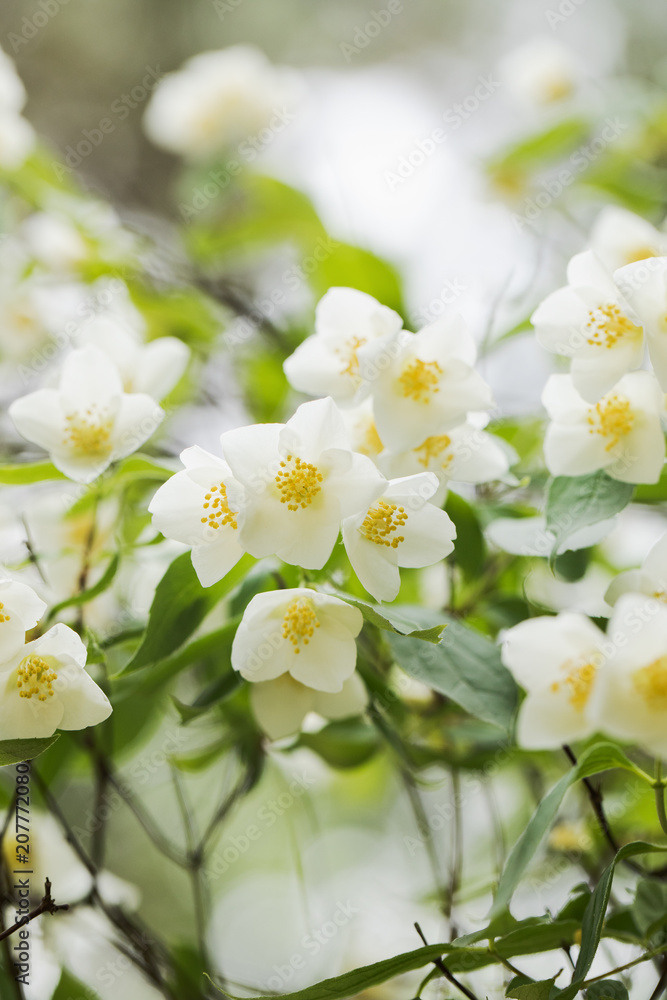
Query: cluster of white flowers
{"type": "Point", "coordinates": [44, 685]}
{"type": "Point", "coordinates": [17, 137]}
{"type": "Point", "coordinates": [290, 489]}
{"type": "Point", "coordinates": [606, 414]}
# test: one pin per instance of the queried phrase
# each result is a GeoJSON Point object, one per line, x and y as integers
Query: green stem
{"type": "Point", "coordinates": [659, 787]}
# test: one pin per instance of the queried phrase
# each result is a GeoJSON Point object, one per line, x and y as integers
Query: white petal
{"type": "Point", "coordinates": [535, 650]}
{"type": "Point", "coordinates": [163, 362]}
{"type": "Point", "coordinates": [547, 720]}
{"type": "Point", "coordinates": [213, 562]}
{"type": "Point", "coordinates": [281, 705]}
{"type": "Point", "coordinates": [315, 427]}
{"type": "Point", "coordinates": [352, 699]}
{"type": "Point", "coordinates": [39, 418]}
{"type": "Point", "coordinates": [89, 377]}
{"type": "Point", "coordinates": [138, 418]}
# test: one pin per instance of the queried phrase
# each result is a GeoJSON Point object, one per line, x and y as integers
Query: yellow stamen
{"type": "Point", "coordinates": [419, 380]}
{"type": "Point", "coordinates": [3, 616]}
{"type": "Point", "coordinates": [607, 325]}
{"type": "Point", "coordinates": [433, 447]}
{"type": "Point", "coordinates": [35, 677]}
{"type": "Point", "coordinates": [88, 433]}
{"type": "Point", "coordinates": [351, 357]}
{"type": "Point", "coordinates": [382, 520]}
{"type": "Point", "coordinates": [651, 683]}
{"type": "Point", "coordinates": [298, 483]}
{"type": "Point", "coordinates": [217, 509]}
{"type": "Point", "coordinates": [640, 253]}
{"type": "Point", "coordinates": [613, 418]}
{"type": "Point", "coordinates": [299, 623]}
{"type": "Point", "coordinates": [579, 680]}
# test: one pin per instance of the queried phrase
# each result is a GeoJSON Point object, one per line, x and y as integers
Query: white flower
{"type": "Point", "coordinates": [620, 237]}
{"type": "Point", "coordinates": [360, 424]}
{"type": "Point", "coordinates": [645, 286]}
{"type": "Point", "coordinates": [620, 434]}
{"type": "Point", "coordinates": [45, 687]}
{"type": "Point", "coordinates": [557, 660]}
{"type": "Point", "coordinates": [193, 507]}
{"type": "Point", "coordinates": [590, 322]}
{"type": "Point", "coordinates": [327, 363]}
{"type": "Point", "coordinates": [540, 72]}
{"type": "Point", "coordinates": [630, 701]}
{"type": "Point", "coordinates": [216, 99]}
{"type": "Point", "coordinates": [650, 580]}
{"type": "Point", "coordinates": [299, 480]}
{"type": "Point", "coordinates": [20, 610]}
{"type": "Point", "coordinates": [54, 241]}
{"type": "Point", "coordinates": [12, 91]}
{"type": "Point", "coordinates": [17, 140]}
{"type": "Point", "coordinates": [400, 528]}
{"type": "Point", "coordinates": [153, 368]}
{"type": "Point", "coordinates": [88, 421]}
{"type": "Point", "coordinates": [423, 383]}
{"type": "Point", "coordinates": [281, 705]}
{"type": "Point", "coordinates": [465, 454]}
{"type": "Point", "coordinates": [300, 632]}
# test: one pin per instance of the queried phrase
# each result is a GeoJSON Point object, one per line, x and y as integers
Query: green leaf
{"type": "Point", "coordinates": [466, 667]}
{"type": "Point", "coordinates": [575, 502]}
{"type": "Point", "coordinates": [216, 692]}
{"type": "Point", "coordinates": [16, 751]}
{"type": "Point", "coordinates": [607, 989]}
{"type": "Point", "coordinates": [532, 991]}
{"type": "Point", "coordinates": [179, 607]}
{"type": "Point", "coordinates": [342, 744]}
{"type": "Point", "coordinates": [545, 146]}
{"type": "Point", "coordinates": [403, 619]}
{"type": "Point", "coordinates": [470, 548]}
{"type": "Point", "coordinates": [591, 928]}
{"type": "Point", "coordinates": [35, 472]}
{"type": "Point", "coordinates": [649, 910]}
{"type": "Point", "coordinates": [601, 757]}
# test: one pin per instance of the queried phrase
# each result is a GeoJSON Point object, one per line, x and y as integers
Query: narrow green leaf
{"type": "Point", "coordinates": [16, 751]}
{"type": "Point", "coordinates": [102, 584]}
{"type": "Point", "coordinates": [575, 502]}
{"type": "Point", "coordinates": [403, 619]}
{"type": "Point", "coordinates": [601, 757]}
{"type": "Point", "coordinates": [470, 547]}
{"type": "Point", "coordinates": [591, 928]}
{"type": "Point", "coordinates": [34, 472]}
{"type": "Point", "coordinates": [466, 667]}
{"type": "Point", "coordinates": [179, 606]}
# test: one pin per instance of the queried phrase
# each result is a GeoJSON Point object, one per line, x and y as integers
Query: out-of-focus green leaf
{"type": "Point", "coordinates": [470, 547]}
{"type": "Point", "coordinates": [465, 667]}
{"type": "Point", "coordinates": [520, 990]}
{"type": "Point", "coordinates": [343, 744]}
{"type": "Point", "coordinates": [16, 751]}
{"type": "Point", "coordinates": [34, 472]}
{"type": "Point", "coordinates": [575, 502]}
{"type": "Point", "coordinates": [179, 606]}
{"type": "Point", "coordinates": [543, 147]}
{"type": "Point", "coordinates": [607, 989]}
{"type": "Point", "coordinates": [649, 910]}
{"type": "Point", "coordinates": [91, 593]}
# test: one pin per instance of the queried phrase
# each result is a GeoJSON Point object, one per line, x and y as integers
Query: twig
{"type": "Point", "coordinates": [47, 905]}
{"type": "Point", "coordinates": [449, 976]}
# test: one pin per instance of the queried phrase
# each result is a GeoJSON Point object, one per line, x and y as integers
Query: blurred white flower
{"type": "Point", "coordinates": [20, 610]}
{"type": "Point", "coordinates": [281, 705]}
{"type": "Point", "coordinates": [54, 241]}
{"type": "Point", "coordinates": [645, 286]}
{"type": "Point", "coordinates": [557, 661]}
{"type": "Point", "coordinates": [620, 434]}
{"type": "Point", "coordinates": [17, 140]}
{"type": "Point", "coordinates": [298, 480]}
{"type": "Point", "coordinates": [589, 321]}
{"type": "Point", "coordinates": [45, 687]}
{"type": "Point", "coordinates": [650, 580]}
{"type": "Point", "coordinates": [88, 421]}
{"type": "Point", "coordinates": [300, 632]}
{"type": "Point", "coordinates": [423, 383]}
{"type": "Point", "coordinates": [400, 528]}
{"type": "Point", "coordinates": [620, 237]}
{"type": "Point", "coordinates": [193, 507]}
{"type": "Point", "coordinates": [540, 72]}
{"type": "Point", "coordinates": [630, 700]}
{"type": "Point", "coordinates": [12, 91]}
{"type": "Point", "coordinates": [217, 99]}
{"type": "Point", "coordinates": [327, 363]}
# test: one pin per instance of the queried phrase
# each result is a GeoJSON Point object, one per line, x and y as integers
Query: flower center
{"type": "Point", "coordinates": [579, 680]}
{"type": "Point", "coordinates": [419, 380]}
{"type": "Point", "coordinates": [433, 447]}
{"type": "Point", "coordinates": [349, 355]}
{"type": "Point", "coordinates": [298, 483]}
{"type": "Point", "coordinates": [639, 253]}
{"type": "Point", "coordinates": [381, 521]}
{"type": "Point", "coordinates": [217, 509]}
{"type": "Point", "coordinates": [651, 683]}
{"type": "Point", "coordinates": [3, 617]}
{"type": "Point", "coordinates": [299, 623]}
{"type": "Point", "coordinates": [35, 677]}
{"type": "Point", "coordinates": [613, 418]}
{"type": "Point", "coordinates": [607, 325]}
{"type": "Point", "coordinates": [88, 433]}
